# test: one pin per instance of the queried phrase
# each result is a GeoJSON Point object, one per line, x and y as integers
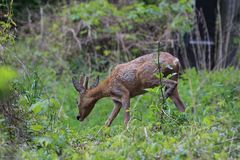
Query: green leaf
{"type": "Point", "coordinates": [36, 127]}
{"type": "Point", "coordinates": [209, 120]}
{"type": "Point", "coordinates": [106, 52]}
{"type": "Point", "coordinates": [40, 106]}
{"type": "Point", "coordinates": [36, 108]}
{"type": "Point", "coordinates": [54, 103]}
{"type": "Point", "coordinates": [7, 74]}
{"type": "Point", "coordinates": [44, 141]}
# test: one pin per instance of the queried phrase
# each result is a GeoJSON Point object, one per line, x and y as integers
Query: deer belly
{"type": "Point", "coordinates": [137, 92]}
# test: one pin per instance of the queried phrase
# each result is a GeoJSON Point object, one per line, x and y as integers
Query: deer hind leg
{"type": "Point", "coordinates": [126, 106]}
{"type": "Point", "coordinates": [114, 113]}
{"type": "Point", "coordinates": [122, 96]}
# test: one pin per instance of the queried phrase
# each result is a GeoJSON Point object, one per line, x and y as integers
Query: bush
{"type": "Point", "coordinates": [99, 34]}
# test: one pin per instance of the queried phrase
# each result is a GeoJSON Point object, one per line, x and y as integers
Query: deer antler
{"type": "Point", "coordinates": [85, 84]}
{"type": "Point", "coordinates": [95, 83]}
{"type": "Point", "coordinates": [82, 86]}
{"type": "Point", "coordinates": [81, 80]}
{"type": "Point", "coordinates": [78, 85]}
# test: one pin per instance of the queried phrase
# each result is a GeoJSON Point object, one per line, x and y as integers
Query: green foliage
{"type": "Point", "coordinates": [7, 74]}
{"type": "Point", "coordinates": [94, 12]}
{"type": "Point", "coordinates": [98, 33]}
{"type": "Point", "coordinates": [6, 23]}
{"type": "Point", "coordinates": [209, 129]}
{"type": "Point", "coordinates": [105, 26]}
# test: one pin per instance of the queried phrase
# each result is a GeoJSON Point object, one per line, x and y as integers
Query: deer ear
{"type": "Point", "coordinates": [77, 85]}
{"type": "Point", "coordinates": [95, 83]}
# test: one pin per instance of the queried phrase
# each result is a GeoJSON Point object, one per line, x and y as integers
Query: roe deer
{"type": "Point", "coordinates": [128, 80]}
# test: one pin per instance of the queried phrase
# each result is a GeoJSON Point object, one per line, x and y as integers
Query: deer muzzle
{"type": "Point", "coordinates": [79, 118]}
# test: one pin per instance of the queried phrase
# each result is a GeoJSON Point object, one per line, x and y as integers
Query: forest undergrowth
{"type": "Point", "coordinates": [38, 101]}
{"type": "Point", "coordinates": [45, 106]}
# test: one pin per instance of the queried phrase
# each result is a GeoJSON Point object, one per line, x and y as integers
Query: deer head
{"type": "Point", "coordinates": [86, 102]}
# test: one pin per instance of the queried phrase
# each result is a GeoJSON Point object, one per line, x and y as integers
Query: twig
{"type": "Point", "coordinates": [146, 135]}
{"type": "Point", "coordinates": [170, 117]}
{"type": "Point", "coordinates": [160, 74]}
{"type": "Point", "coordinates": [75, 37]}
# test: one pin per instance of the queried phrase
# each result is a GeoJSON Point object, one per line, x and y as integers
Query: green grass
{"type": "Point", "coordinates": [209, 129]}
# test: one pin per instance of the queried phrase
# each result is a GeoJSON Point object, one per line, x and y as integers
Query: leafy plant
{"type": "Point", "coordinates": [7, 74]}
{"type": "Point", "coordinates": [6, 23]}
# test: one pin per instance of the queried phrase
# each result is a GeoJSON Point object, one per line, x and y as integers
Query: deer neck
{"type": "Point", "coordinates": [100, 91]}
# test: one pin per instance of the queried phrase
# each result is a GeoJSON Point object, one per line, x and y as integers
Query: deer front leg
{"type": "Point", "coordinates": [177, 100]}
{"type": "Point", "coordinates": [170, 87]}
{"type": "Point", "coordinates": [172, 92]}
{"type": "Point", "coordinates": [114, 113]}
{"type": "Point", "coordinates": [122, 96]}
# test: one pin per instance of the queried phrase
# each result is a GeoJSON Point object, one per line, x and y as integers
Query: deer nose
{"type": "Point", "coordinates": [78, 117]}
